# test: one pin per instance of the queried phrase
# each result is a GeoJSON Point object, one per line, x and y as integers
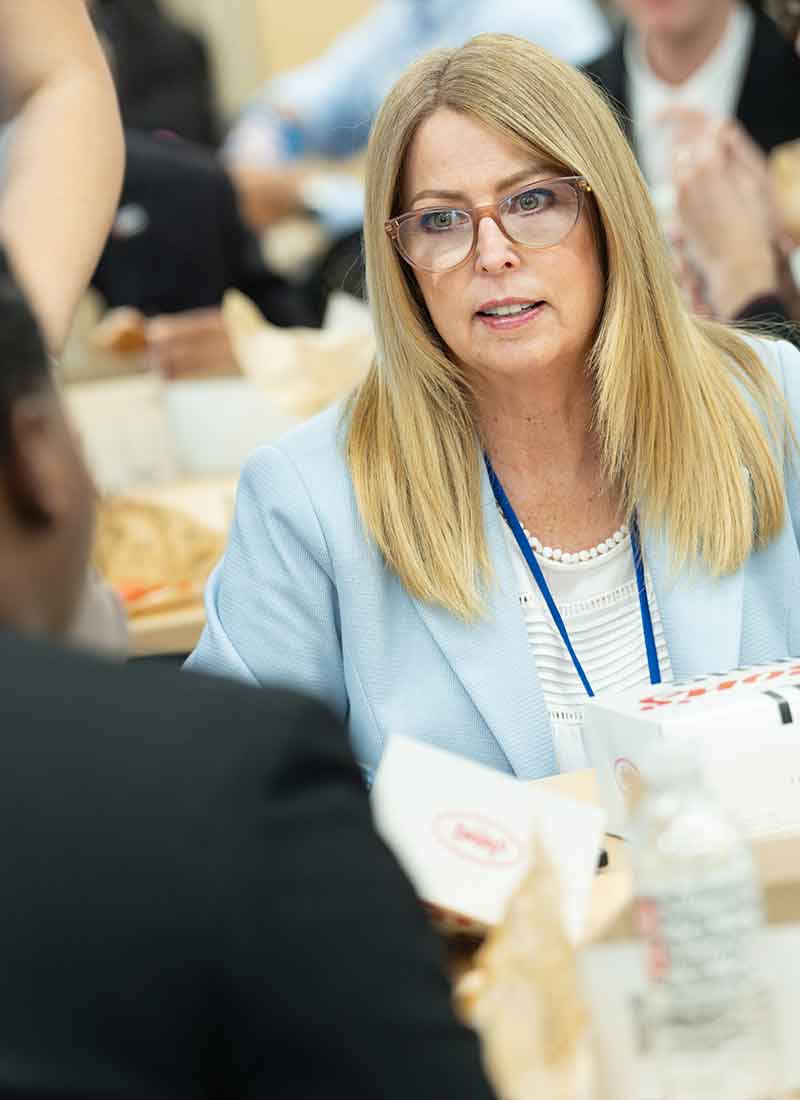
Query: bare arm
{"type": "Point", "coordinates": [66, 159]}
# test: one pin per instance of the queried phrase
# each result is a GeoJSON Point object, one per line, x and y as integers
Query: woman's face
{"type": "Point", "coordinates": [454, 159]}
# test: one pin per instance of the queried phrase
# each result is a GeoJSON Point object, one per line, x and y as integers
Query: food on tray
{"type": "Point", "coordinates": [157, 558]}
{"type": "Point", "coordinates": [122, 330]}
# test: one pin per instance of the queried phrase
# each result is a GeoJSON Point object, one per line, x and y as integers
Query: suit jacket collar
{"type": "Point", "coordinates": [492, 658]}
{"type": "Point", "coordinates": [769, 103]}
{"type": "Point", "coordinates": [610, 73]}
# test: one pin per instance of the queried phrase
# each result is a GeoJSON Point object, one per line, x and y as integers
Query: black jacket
{"type": "Point", "coordinates": [769, 103]}
{"type": "Point", "coordinates": [179, 241]}
{"type": "Point", "coordinates": [161, 69]}
{"type": "Point", "coordinates": [194, 903]}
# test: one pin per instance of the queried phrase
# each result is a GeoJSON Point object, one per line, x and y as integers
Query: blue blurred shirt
{"type": "Point", "coordinates": [326, 107]}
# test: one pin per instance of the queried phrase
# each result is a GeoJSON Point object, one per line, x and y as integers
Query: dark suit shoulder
{"type": "Point", "coordinates": [156, 716]}
{"type": "Point", "coordinates": [769, 102]}
{"type": "Point", "coordinates": [194, 890]}
{"type": "Point", "coordinates": [608, 69]}
{"type": "Point", "coordinates": [168, 160]}
{"type": "Point", "coordinates": [610, 75]}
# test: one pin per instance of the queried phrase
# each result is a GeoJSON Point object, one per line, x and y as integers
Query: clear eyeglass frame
{"type": "Point", "coordinates": [393, 226]}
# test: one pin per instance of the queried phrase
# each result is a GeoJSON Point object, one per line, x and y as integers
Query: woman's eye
{"type": "Point", "coordinates": [438, 220]}
{"type": "Point", "coordinates": [529, 202]}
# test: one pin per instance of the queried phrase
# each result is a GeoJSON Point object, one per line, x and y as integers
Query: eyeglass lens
{"type": "Point", "coordinates": [437, 239]}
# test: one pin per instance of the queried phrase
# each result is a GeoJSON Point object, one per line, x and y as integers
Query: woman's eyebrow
{"type": "Point", "coordinates": [534, 169]}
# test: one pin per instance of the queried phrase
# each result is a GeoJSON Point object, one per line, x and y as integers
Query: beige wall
{"type": "Point", "coordinates": [251, 39]}
{"type": "Point", "coordinates": [294, 33]}
{"type": "Point", "coordinates": [233, 28]}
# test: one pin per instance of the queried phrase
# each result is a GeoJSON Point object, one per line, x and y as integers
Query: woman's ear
{"type": "Point", "coordinates": [37, 471]}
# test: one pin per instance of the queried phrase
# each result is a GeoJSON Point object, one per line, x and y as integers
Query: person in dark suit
{"type": "Point", "coordinates": [766, 97]}
{"type": "Point", "coordinates": [177, 244]}
{"type": "Point", "coordinates": [162, 69]}
{"type": "Point", "coordinates": [194, 901]}
{"type": "Point", "coordinates": [704, 89]}
{"type": "Point", "coordinates": [178, 241]}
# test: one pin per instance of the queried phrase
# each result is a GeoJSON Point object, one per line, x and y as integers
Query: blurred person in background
{"type": "Point", "coordinates": [738, 234]}
{"type": "Point", "coordinates": [326, 107]}
{"type": "Point", "coordinates": [62, 157]}
{"type": "Point", "coordinates": [194, 900]}
{"type": "Point", "coordinates": [162, 70]}
{"type": "Point", "coordinates": [61, 170]}
{"type": "Point", "coordinates": [178, 243]}
{"type": "Point", "coordinates": [678, 66]}
{"type": "Point", "coordinates": [735, 247]}
{"type": "Point", "coordinates": [520, 505]}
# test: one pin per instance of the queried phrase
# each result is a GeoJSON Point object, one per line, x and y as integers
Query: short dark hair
{"type": "Point", "coordinates": [24, 362]}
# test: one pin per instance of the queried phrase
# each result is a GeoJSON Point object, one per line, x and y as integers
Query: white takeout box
{"type": "Point", "coordinates": [463, 833]}
{"type": "Point", "coordinates": [745, 723]}
{"type": "Point", "coordinates": [613, 973]}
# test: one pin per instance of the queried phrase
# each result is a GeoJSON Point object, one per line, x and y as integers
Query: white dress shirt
{"type": "Point", "coordinates": [599, 603]}
{"type": "Point", "coordinates": [713, 88]}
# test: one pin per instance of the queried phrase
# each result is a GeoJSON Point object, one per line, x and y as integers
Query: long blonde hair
{"type": "Point", "coordinates": [678, 402]}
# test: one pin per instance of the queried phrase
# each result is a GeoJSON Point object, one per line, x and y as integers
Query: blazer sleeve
{"type": "Point", "coordinates": [271, 604]}
{"type": "Point", "coordinates": [789, 357]}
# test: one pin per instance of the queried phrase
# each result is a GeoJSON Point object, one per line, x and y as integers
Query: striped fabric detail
{"type": "Point", "coordinates": [599, 604]}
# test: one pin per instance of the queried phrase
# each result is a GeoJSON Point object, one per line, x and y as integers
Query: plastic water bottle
{"type": "Point", "coordinates": [707, 1013]}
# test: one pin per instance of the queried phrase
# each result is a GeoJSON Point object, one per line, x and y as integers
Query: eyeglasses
{"type": "Point", "coordinates": [441, 238]}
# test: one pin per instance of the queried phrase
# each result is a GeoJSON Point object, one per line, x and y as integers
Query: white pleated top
{"type": "Point", "coordinates": [599, 603]}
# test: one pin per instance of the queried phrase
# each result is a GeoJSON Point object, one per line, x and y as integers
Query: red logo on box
{"type": "Point", "coordinates": [686, 693]}
{"type": "Point", "coordinates": [477, 839]}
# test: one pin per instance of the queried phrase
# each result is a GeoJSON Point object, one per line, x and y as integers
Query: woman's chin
{"type": "Point", "coordinates": [515, 358]}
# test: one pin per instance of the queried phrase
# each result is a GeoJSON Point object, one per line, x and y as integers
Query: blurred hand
{"type": "Point", "coordinates": [266, 195]}
{"type": "Point", "coordinates": [689, 275]}
{"type": "Point", "coordinates": [727, 212]}
{"type": "Point", "coordinates": [192, 344]}
{"type": "Point", "coordinates": [685, 125]}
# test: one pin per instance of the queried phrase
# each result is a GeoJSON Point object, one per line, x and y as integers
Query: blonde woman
{"type": "Point", "coordinates": [554, 479]}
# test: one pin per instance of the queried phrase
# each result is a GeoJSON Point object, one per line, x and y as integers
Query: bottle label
{"type": "Point", "coordinates": [701, 937]}
{"type": "Point", "coordinates": [648, 925]}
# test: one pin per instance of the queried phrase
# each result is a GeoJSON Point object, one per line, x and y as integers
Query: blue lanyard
{"type": "Point", "coordinates": [527, 552]}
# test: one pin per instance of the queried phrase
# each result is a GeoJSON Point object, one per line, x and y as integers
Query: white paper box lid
{"type": "Point", "coordinates": [682, 702]}
{"type": "Point", "coordinates": [463, 832]}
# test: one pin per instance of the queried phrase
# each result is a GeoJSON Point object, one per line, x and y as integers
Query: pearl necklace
{"type": "Point", "coordinates": [555, 554]}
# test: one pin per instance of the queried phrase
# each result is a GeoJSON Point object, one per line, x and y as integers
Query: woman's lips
{"type": "Point", "coordinates": [513, 320]}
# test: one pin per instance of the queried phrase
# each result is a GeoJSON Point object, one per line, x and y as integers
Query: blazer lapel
{"type": "Point", "coordinates": [610, 72]}
{"type": "Point", "coordinates": [493, 660]}
{"type": "Point", "coordinates": [701, 615]}
{"type": "Point", "coordinates": [769, 101]}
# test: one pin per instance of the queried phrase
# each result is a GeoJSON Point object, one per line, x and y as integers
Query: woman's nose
{"type": "Point", "coordinates": [495, 252]}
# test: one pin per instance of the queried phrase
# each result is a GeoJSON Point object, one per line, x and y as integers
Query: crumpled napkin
{"type": "Point", "coordinates": [302, 370]}
{"type": "Point", "coordinates": [523, 997]}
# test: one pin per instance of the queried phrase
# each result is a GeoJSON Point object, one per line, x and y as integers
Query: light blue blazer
{"type": "Point", "coordinates": [303, 598]}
